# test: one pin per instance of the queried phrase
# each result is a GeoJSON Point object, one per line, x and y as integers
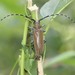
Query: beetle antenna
{"type": "Point", "coordinates": [17, 15]}
{"type": "Point", "coordinates": [12, 15]}
{"type": "Point", "coordinates": [72, 20]}
{"type": "Point", "coordinates": [30, 18]}
{"type": "Point", "coordinates": [59, 15]}
{"type": "Point", "coordinates": [44, 17]}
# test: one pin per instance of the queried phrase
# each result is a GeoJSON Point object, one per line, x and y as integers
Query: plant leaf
{"type": "Point", "coordinates": [61, 57]}
{"type": "Point", "coordinates": [28, 62]}
{"type": "Point", "coordinates": [54, 6]}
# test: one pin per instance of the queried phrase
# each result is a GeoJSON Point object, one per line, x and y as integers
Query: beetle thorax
{"type": "Point", "coordinates": [37, 25]}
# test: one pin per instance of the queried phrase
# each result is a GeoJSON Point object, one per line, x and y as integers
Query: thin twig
{"type": "Point", "coordinates": [40, 66]}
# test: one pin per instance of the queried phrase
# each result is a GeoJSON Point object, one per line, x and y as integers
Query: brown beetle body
{"type": "Point", "coordinates": [38, 39]}
{"type": "Point", "coordinates": [38, 32]}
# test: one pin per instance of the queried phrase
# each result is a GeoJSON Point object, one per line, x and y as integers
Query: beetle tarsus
{"type": "Point", "coordinates": [37, 57]}
{"type": "Point", "coordinates": [44, 41]}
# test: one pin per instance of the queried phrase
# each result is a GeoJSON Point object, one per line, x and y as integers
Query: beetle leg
{"type": "Point", "coordinates": [44, 41]}
{"type": "Point", "coordinates": [44, 30]}
{"type": "Point", "coordinates": [30, 33]}
{"type": "Point", "coordinates": [31, 30]}
{"type": "Point", "coordinates": [37, 57]}
{"type": "Point", "coordinates": [30, 27]}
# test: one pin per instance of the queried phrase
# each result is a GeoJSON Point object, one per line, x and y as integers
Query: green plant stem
{"type": "Point", "coordinates": [59, 58]}
{"type": "Point", "coordinates": [14, 67]}
{"type": "Point", "coordinates": [22, 66]}
{"type": "Point", "coordinates": [24, 46]}
{"type": "Point", "coordinates": [25, 33]}
{"type": "Point", "coordinates": [44, 53]}
{"type": "Point", "coordinates": [22, 63]}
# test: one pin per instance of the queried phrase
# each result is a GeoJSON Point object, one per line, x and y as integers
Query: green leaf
{"type": "Point", "coordinates": [54, 6]}
{"type": "Point", "coordinates": [70, 62]}
{"type": "Point", "coordinates": [61, 57]}
{"type": "Point", "coordinates": [28, 62]}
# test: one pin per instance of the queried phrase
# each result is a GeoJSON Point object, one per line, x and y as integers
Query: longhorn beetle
{"type": "Point", "coordinates": [38, 32]}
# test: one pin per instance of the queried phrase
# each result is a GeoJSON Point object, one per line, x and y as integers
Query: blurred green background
{"type": "Point", "coordinates": [59, 38]}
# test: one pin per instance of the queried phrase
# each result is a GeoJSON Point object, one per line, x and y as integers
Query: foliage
{"type": "Point", "coordinates": [60, 37]}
